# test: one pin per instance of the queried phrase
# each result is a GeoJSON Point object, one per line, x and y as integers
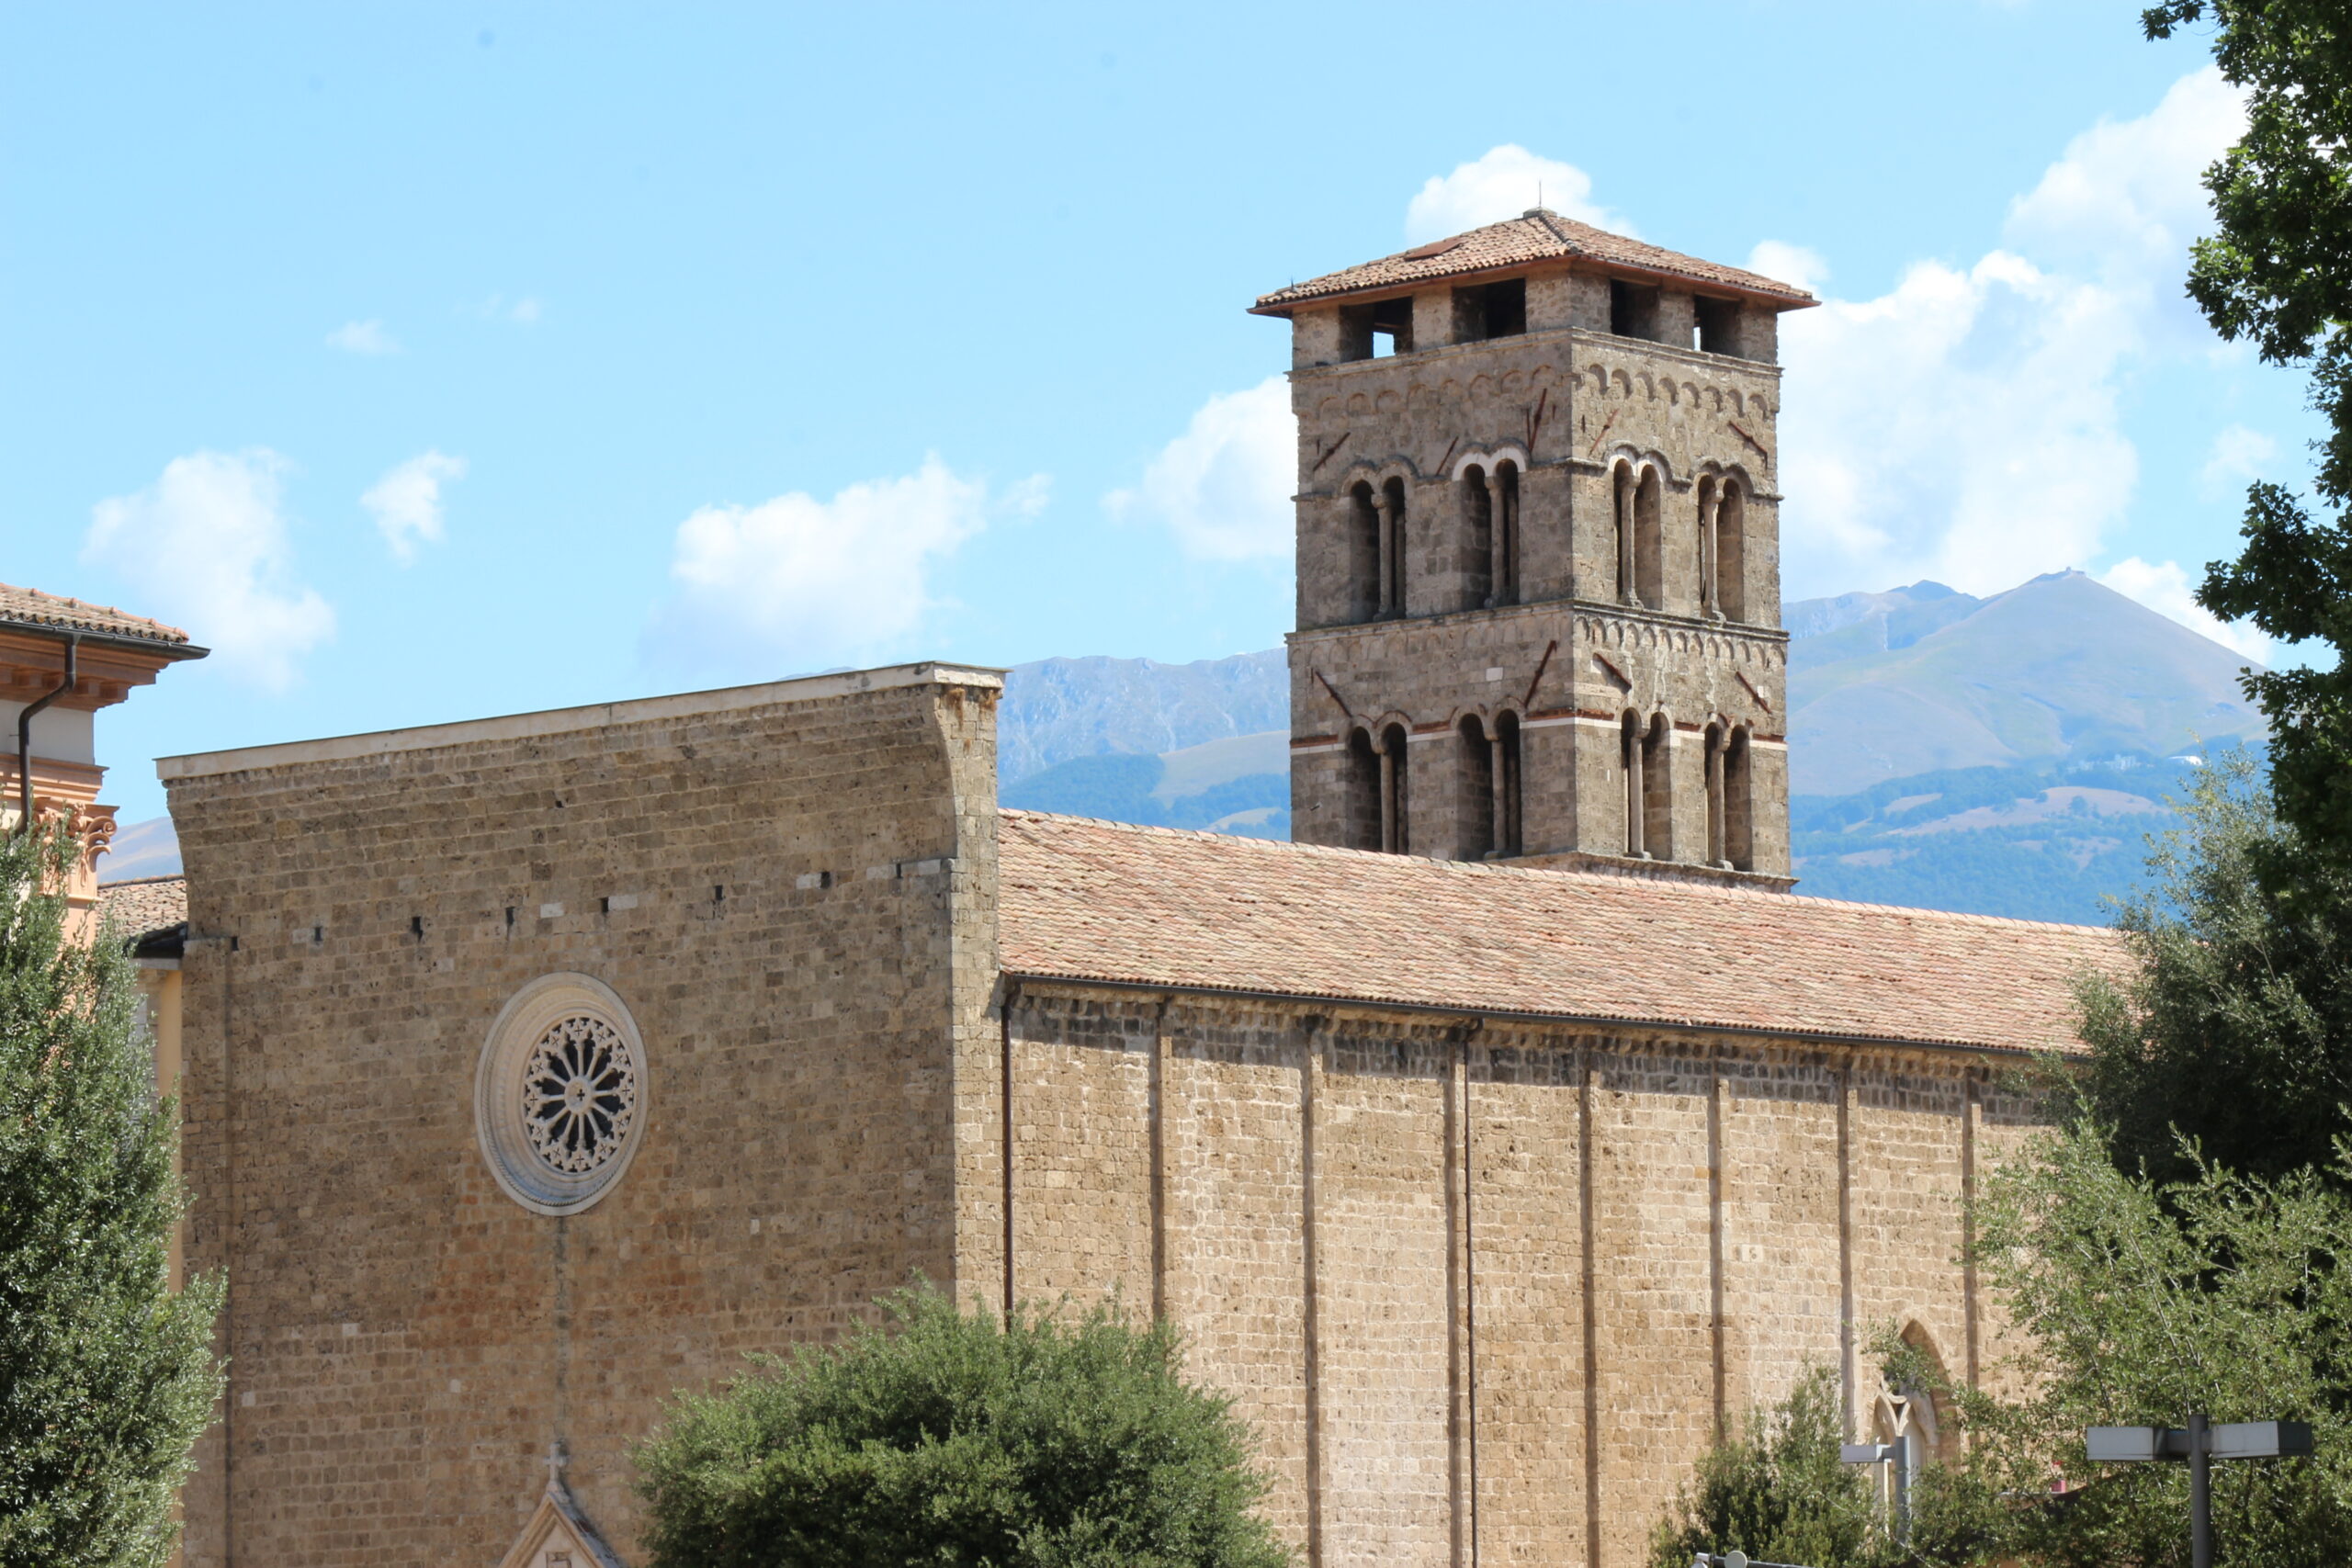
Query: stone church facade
{"type": "Point", "coordinates": [1493, 1147]}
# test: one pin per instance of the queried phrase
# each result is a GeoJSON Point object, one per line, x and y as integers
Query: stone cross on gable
{"type": "Point", "coordinates": [556, 1462]}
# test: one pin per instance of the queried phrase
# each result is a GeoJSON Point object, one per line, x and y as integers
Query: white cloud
{"type": "Point", "coordinates": [523, 312]}
{"type": "Point", "coordinates": [406, 503]}
{"type": "Point", "coordinates": [1963, 427]}
{"type": "Point", "coordinates": [363, 337]}
{"type": "Point", "coordinates": [1224, 486]}
{"type": "Point", "coordinates": [206, 546]}
{"type": "Point", "coordinates": [2239, 455]}
{"type": "Point", "coordinates": [1966, 425]}
{"type": "Point", "coordinates": [1790, 264]}
{"type": "Point", "coordinates": [1501, 183]}
{"type": "Point", "coordinates": [801, 583]}
{"type": "Point", "coordinates": [2123, 204]}
{"type": "Point", "coordinates": [2164, 588]}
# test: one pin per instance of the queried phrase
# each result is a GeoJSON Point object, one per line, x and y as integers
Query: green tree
{"type": "Point", "coordinates": [2233, 1023]}
{"type": "Point", "coordinates": [2136, 1305]}
{"type": "Point", "coordinates": [106, 1375]}
{"type": "Point", "coordinates": [1778, 1492]}
{"type": "Point", "coordinates": [950, 1438]}
{"type": "Point", "coordinates": [2278, 273]}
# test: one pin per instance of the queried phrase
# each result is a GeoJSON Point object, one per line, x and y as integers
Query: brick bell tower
{"type": "Point", "coordinates": [1539, 588]}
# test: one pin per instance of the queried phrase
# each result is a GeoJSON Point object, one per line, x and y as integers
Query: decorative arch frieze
{"type": "Point", "coordinates": [1486, 458]}
{"type": "Point", "coordinates": [1377, 471]}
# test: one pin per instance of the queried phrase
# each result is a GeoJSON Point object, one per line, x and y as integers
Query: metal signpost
{"type": "Point", "coordinates": [1902, 1458]}
{"type": "Point", "coordinates": [2201, 1443]}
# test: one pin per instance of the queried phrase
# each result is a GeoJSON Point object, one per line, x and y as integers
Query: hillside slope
{"type": "Point", "coordinates": [1059, 709]}
{"type": "Point", "coordinates": [2057, 671]}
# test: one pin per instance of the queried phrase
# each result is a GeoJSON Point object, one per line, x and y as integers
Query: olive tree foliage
{"type": "Point", "coordinates": [942, 1437]}
{"type": "Point", "coordinates": [1778, 1492]}
{"type": "Point", "coordinates": [2135, 1303]}
{"type": "Point", "coordinates": [2278, 272]}
{"type": "Point", "coordinates": [107, 1375]}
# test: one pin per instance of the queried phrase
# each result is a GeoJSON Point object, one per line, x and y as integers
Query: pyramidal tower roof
{"type": "Point", "coordinates": [1536, 235]}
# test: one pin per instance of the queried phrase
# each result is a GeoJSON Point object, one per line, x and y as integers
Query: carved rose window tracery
{"type": "Point", "coordinates": [579, 1094]}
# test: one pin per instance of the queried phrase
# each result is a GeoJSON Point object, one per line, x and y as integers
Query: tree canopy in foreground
{"type": "Point", "coordinates": [106, 1375]}
{"type": "Point", "coordinates": [938, 1437]}
{"type": "Point", "coordinates": [2278, 272]}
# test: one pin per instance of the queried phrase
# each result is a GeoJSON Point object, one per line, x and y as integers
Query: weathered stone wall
{"type": "Point", "coordinates": [792, 889]}
{"type": "Point", "coordinates": [1507, 1279]}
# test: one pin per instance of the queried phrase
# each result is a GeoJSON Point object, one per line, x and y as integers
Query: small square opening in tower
{"type": "Point", "coordinates": [1633, 310]}
{"type": "Point", "coordinates": [1483, 311]}
{"type": "Point", "coordinates": [1717, 331]}
{"type": "Point", "coordinates": [1392, 327]}
{"type": "Point", "coordinates": [1507, 308]}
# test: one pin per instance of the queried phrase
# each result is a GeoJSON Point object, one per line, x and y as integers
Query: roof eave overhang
{"type": "Point", "coordinates": [1708, 286]}
{"type": "Point", "coordinates": [155, 647]}
{"type": "Point", "coordinates": [1679, 1027]}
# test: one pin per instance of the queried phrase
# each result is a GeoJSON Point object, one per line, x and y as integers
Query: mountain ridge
{"type": "Point", "coordinates": [2001, 755]}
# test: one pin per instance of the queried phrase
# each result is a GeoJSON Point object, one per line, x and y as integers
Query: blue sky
{"type": "Point", "coordinates": [431, 362]}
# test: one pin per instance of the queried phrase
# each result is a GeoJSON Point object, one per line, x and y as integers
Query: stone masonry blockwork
{"type": "Point", "coordinates": [1501, 1280]}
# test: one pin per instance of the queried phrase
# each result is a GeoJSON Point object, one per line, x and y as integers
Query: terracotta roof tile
{"type": "Point", "coordinates": [144, 904]}
{"type": "Point", "coordinates": [1540, 235]}
{"type": "Point", "coordinates": [1088, 900]}
{"type": "Point", "coordinates": [31, 607]}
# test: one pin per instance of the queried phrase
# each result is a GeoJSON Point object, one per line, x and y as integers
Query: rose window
{"type": "Point", "coordinates": [563, 1093]}
{"type": "Point", "coordinates": [579, 1094]}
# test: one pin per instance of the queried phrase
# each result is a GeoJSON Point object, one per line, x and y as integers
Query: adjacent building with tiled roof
{"type": "Point", "coordinates": [31, 607]}
{"type": "Point", "coordinates": [62, 660]}
{"type": "Point", "coordinates": [144, 906]}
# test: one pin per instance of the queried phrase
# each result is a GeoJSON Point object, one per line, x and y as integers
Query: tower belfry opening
{"type": "Point", "coordinates": [1538, 529]}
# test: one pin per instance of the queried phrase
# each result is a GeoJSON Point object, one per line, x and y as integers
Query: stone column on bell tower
{"type": "Point", "coordinates": [1538, 555]}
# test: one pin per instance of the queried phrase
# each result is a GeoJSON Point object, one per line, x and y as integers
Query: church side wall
{"type": "Point", "coordinates": [1502, 1279]}
{"type": "Point", "coordinates": [780, 894]}
{"type": "Point", "coordinates": [1651, 1300]}
{"type": "Point", "coordinates": [1778, 1113]}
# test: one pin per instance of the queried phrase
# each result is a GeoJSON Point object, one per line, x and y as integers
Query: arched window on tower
{"type": "Point", "coordinates": [1477, 538]}
{"type": "Point", "coordinates": [1391, 502]}
{"type": "Point", "coordinates": [1731, 552]}
{"type": "Point", "coordinates": [1621, 490]}
{"type": "Point", "coordinates": [1630, 759]}
{"type": "Point", "coordinates": [1709, 493]}
{"type": "Point", "coordinates": [1649, 542]}
{"type": "Point", "coordinates": [1502, 505]}
{"type": "Point", "coordinates": [1739, 801]}
{"type": "Point", "coordinates": [1361, 779]}
{"type": "Point", "coordinates": [1504, 743]}
{"type": "Point", "coordinates": [1474, 804]}
{"type": "Point", "coordinates": [1657, 788]}
{"type": "Point", "coordinates": [1718, 737]}
{"type": "Point", "coordinates": [1366, 547]}
{"type": "Point", "coordinates": [1396, 791]}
